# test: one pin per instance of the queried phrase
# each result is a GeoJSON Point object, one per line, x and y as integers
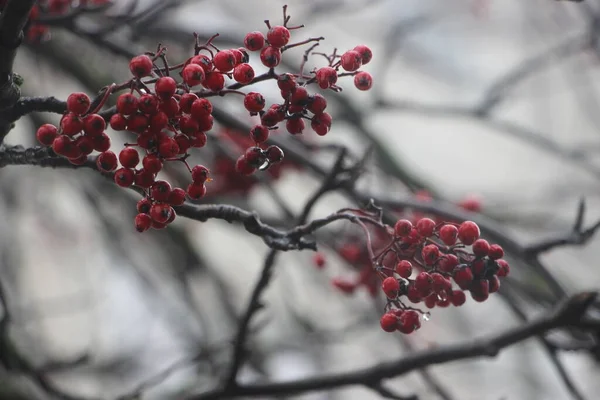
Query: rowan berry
{"type": "Point", "coordinates": [203, 61]}
{"type": "Point", "coordinates": [449, 234]}
{"type": "Point", "coordinates": [186, 101]}
{"type": "Point", "coordinates": [365, 53]}
{"type": "Point", "coordinates": [278, 36]}
{"type": "Point", "coordinates": [243, 167]}
{"type": "Point", "coordinates": [196, 190]}
{"type": "Point", "coordinates": [143, 178]}
{"type": "Point", "coordinates": [390, 287]}
{"type": "Point", "coordinates": [363, 81]}
{"type": "Point", "coordinates": [326, 77]}
{"type": "Point", "coordinates": [430, 254]}
{"type": "Point", "coordinates": [496, 252]}
{"type": "Point", "coordinates": [205, 123]}
{"type": "Point", "coordinates": [118, 122]}
{"type": "Point", "coordinates": [439, 283]}
{"type": "Point", "coordinates": [106, 161]}
{"type": "Point", "coordinates": [168, 147]}
{"type": "Point", "coordinates": [286, 82]}
{"type": "Point", "coordinates": [319, 260]}
{"type": "Point", "coordinates": [165, 87]}
{"type": "Point", "coordinates": [503, 269]}
{"type": "Point", "coordinates": [78, 103]}
{"type": "Point", "coordinates": [184, 142]}
{"type": "Point", "coordinates": [463, 276]}
{"type": "Point", "coordinates": [295, 125]}
{"type": "Point", "coordinates": [160, 191]}
{"type": "Point", "coordinates": [480, 290]}
{"type": "Point", "coordinates": [316, 104]}
{"type": "Point", "coordinates": [129, 157]}
{"type": "Point", "coordinates": [321, 123]}
{"type": "Point", "coordinates": [94, 124]}
{"type": "Point", "coordinates": [240, 55]}
{"type": "Point", "coordinates": [193, 74]}
{"type": "Point", "coordinates": [300, 96]}
{"type": "Point", "coordinates": [389, 322]}
{"type": "Point", "coordinates": [143, 206]}
{"type": "Point", "coordinates": [403, 227]}
{"type": "Point", "coordinates": [478, 267]}
{"type": "Point", "coordinates": [198, 139]}
{"type": "Point", "coordinates": [137, 123]}
{"type": "Point", "coordinates": [493, 283]}
{"type": "Point", "coordinates": [201, 108]}
{"type": "Point", "coordinates": [351, 60]}
{"type": "Point", "coordinates": [458, 298]}
{"type": "Point", "coordinates": [46, 134]}
{"type": "Point", "coordinates": [259, 133]}
{"type": "Point", "coordinates": [270, 56]}
{"type": "Point", "coordinates": [243, 73]}
{"type": "Point", "coordinates": [224, 61]}
{"type": "Point", "coordinates": [423, 283]}
{"type": "Point", "coordinates": [480, 248]}
{"type": "Point", "coordinates": [471, 203]}
{"type": "Point", "coordinates": [408, 322]}
{"type": "Point", "coordinates": [200, 174]}
{"type": "Point", "coordinates": [447, 263]}
{"type": "Point", "coordinates": [176, 197]}
{"type": "Point", "coordinates": [468, 232]}
{"type": "Point", "coordinates": [161, 212]}
{"type": "Point", "coordinates": [214, 81]}
{"type": "Point", "coordinates": [71, 124]}
{"type": "Point", "coordinates": [425, 227]}
{"type": "Point", "coordinates": [274, 154]}
{"type": "Point", "coordinates": [404, 269]}
{"type": "Point", "coordinates": [127, 104]}
{"type": "Point", "coordinates": [140, 66]}
{"type": "Point", "coordinates": [254, 41]}
{"type": "Point", "coordinates": [85, 144]}
{"type": "Point", "coordinates": [158, 225]}
{"type": "Point", "coordinates": [124, 177]}
{"type": "Point", "coordinates": [143, 222]}
{"type": "Point", "coordinates": [254, 102]}
{"type": "Point", "coordinates": [188, 125]}
{"type": "Point", "coordinates": [169, 106]}
{"type": "Point", "coordinates": [101, 142]}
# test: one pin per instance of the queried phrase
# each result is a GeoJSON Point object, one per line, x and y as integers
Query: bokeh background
{"type": "Point", "coordinates": [496, 99]}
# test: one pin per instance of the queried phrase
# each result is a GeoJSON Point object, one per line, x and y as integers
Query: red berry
{"type": "Point", "coordinates": [390, 287]}
{"type": "Point", "coordinates": [240, 55]}
{"type": "Point", "coordinates": [317, 104]}
{"type": "Point", "coordinates": [468, 232]}
{"type": "Point", "coordinates": [363, 81]}
{"type": "Point", "coordinates": [319, 260]}
{"type": "Point", "coordinates": [494, 284]}
{"type": "Point", "coordinates": [205, 123]}
{"type": "Point", "coordinates": [186, 101]}
{"type": "Point", "coordinates": [188, 125]}
{"type": "Point", "coordinates": [431, 300]}
{"type": "Point", "coordinates": [274, 154]}
{"type": "Point", "coordinates": [214, 81]}
{"type": "Point", "coordinates": [278, 36]}
{"type": "Point", "coordinates": [447, 263]}
{"type": "Point", "coordinates": [424, 283]}
{"type": "Point", "coordinates": [160, 191]}
{"type": "Point", "coordinates": [480, 290]}
{"type": "Point", "coordinates": [321, 123]}
{"type": "Point", "coordinates": [143, 178]}
{"type": "Point", "coordinates": [176, 197]}
{"type": "Point", "coordinates": [168, 147]}
{"type": "Point", "coordinates": [161, 212]}
{"type": "Point", "coordinates": [184, 143]}
{"type": "Point", "coordinates": [481, 247]}
{"type": "Point", "coordinates": [143, 206]}
{"type": "Point", "coordinates": [430, 254]}
{"type": "Point", "coordinates": [143, 222]}
{"type": "Point", "coordinates": [85, 144]}
{"type": "Point", "coordinates": [106, 161]}
{"type": "Point", "coordinates": [203, 61]}
{"type": "Point", "coordinates": [259, 133]}
{"type": "Point", "coordinates": [300, 96]}
{"type": "Point", "coordinates": [504, 269]}
{"type": "Point", "coordinates": [101, 142]}
{"type": "Point", "coordinates": [140, 66]}
{"type": "Point", "coordinates": [440, 283]}
{"type": "Point", "coordinates": [404, 269]}
{"type": "Point", "coordinates": [295, 126]}
{"type": "Point", "coordinates": [200, 174]}
{"type": "Point", "coordinates": [425, 227]}
{"type": "Point", "coordinates": [243, 73]}
{"type": "Point", "coordinates": [224, 61]}
{"type": "Point", "coordinates": [129, 157]}
{"type": "Point", "coordinates": [201, 108]}
{"type": "Point", "coordinates": [365, 53]}
{"type": "Point", "coordinates": [496, 252]}
{"type": "Point", "coordinates": [46, 134]}
{"type": "Point", "coordinates": [118, 122]}
{"type": "Point", "coordinates": [458, 298]}
{"type": "Point", "coordinates": [78, 103]}
{"type": "Point", "coordinates": [198, 139]}
{"type": "Point", "coordinates": [351, 60]}
{"type": "Point", "coordinates": [409, 322]}
{"type": "Point", "coordinates": [254, 41]}
{"type": "Point", "coordinates": [243, 167]}
{"type": "Point", "coordinates": [170, 107]}
{"type": "Point", "coordinates": [254, 156]}
{"type": "Point", "coordinates": [326, 77]}
{"type": "Point", "coordinates": [463, 277]}
{"type": "Point", "coordinates": [71, 124]}
{"type": "Point", "coordinates": [127, 104]}
{"type": "Point", "coordinates": [196, 190]}
{"type": "Point", "coordinates": [94, 124]}
{"type": "Point", "coordinates": [254, 102]}
{"type": "Point", "coordinates": [270, 56]}
{"type": "Point", "coordinates": [124, 177]}
{"type": "Point", "coordinates": [137, 123]}
{"type": "Point", "coordinates": [389, 322]}
{"type": "Point", "coordinates": [165, 87]}
{"type": "Point", "coordinates": [471, 203]}
{"type": "Point", "coordinates": [193, 74]}
{"type": "Point", "coordinates": [286, 82]}
{"type": "Point", "coordinates": [449, 234]}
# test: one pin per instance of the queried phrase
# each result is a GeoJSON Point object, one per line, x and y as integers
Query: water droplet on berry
{"type": "Point", "coordinates": [427, 316]}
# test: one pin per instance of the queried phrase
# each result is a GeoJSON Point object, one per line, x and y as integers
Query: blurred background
{"type": "Point", "coordinates": [493, 99]}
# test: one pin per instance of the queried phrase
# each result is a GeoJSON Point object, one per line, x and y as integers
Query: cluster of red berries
{"type": "Point", "coordinates": [36, 31]}
{"type": "Point", "coordinates": [169, 119]}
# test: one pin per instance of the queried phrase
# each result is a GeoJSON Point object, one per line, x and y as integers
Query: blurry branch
{"type": "Point", "coordinates": [570, 313]}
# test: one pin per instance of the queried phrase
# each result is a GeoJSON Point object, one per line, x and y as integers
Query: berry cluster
{"type": "Point", "coordinates": [169, 118]}
{"type": "Point", "coordinates": [36, 31]}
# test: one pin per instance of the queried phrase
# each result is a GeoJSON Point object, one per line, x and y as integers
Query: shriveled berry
{"type": "Point", "coordinates": [124, 177]}
{"type": "Point", "coordinates": [468, 232]}
{"type": "Point", "coordinates": [390, 287]}
{"type": "Point", "coordinates": [193, 74]}
{"type": "Point", "coordinates": [196, 191]}
{"type": "Point", "coordinates": [127, 104]}
{"type": "Point", "coordinates": [46, 134]}
{"type": "Point", "coordinates": [449, 234]}
{"type": "Point", "coordinates": [254, 41]}
{"type": "Point", "coordinates": [165, 87]}
{"type": "Point", "coordinates": [270, 56]}
{"type": "Point", "coordinates": [140, 66]}
{"type": "Point", "coordinates": [78, 103]}
{"type": "Point", "coordinates": [143, 222]}
{"type": "Point", "coordinates": [404, 269]}
{"type": "Point", "coordinates": [224, 61]}
{"type": "Point", "coordinates": [363, 81]}
{"type": "Point", "coordinates": [278, 36]}
{"type": "Point", "coordinates": [321, 123]}
{"type": "Point", "coordinates": [106, 161]}
{"type": "Point", "coordinates": [425, 227]}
